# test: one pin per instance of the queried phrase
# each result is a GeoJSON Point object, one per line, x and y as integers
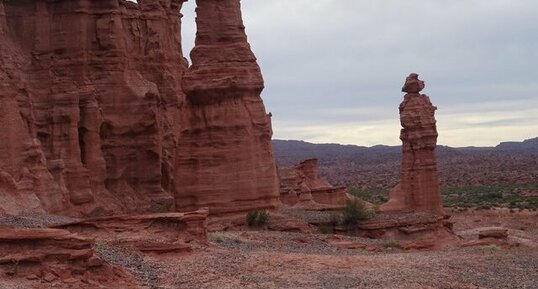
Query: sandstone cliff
{"type": "Point", "coordinates": [419, 181]}
{"type": "Point", "coordinates": [225, 160]}
{"type": "Point", "coordinates": [94, 118]}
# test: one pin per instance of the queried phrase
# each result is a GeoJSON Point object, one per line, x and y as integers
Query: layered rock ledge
{"type": "Point", "coordinates": [57, 258]}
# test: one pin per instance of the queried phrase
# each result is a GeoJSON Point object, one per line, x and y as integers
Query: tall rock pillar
{"type": "Point", "coordinates": [224, 160]}
{"type": "Point", "coordinates": [419, 183]}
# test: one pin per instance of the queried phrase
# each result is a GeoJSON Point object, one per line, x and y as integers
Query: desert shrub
{"type": "Point", "coordinates": [335, 218]}
{"type": "Point", "coordinates": [257, 218]}
{"type": "Point", "coordinates": [355, 211]}
{"type": "Point", "coordinates": [217, 238]}
{"type": "Point", "coordinates": [263, 217]}
{"type": "Point", "coordinates": [492, 248]}
{"type": "Point", "coordinates": [492, 196]}
{"type": "Point", "coordinates": [373, 195]}
{"type": "Point", "coordinates": [326, 228]}
{"type": "Point", "coordinates": [392, 244]}
{"type": "Point", "coordinates": [484, 207]}
{"type": "Point", "coordinates": [252, 216]}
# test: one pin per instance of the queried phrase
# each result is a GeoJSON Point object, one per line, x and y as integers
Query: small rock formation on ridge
{"type": "Point", "coordinates": [302, 184]}
{"type": "Point", "coordinates": [418, 190]}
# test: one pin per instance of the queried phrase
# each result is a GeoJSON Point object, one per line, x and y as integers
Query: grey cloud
{"type": "Point", "coordinates": [324, 56]}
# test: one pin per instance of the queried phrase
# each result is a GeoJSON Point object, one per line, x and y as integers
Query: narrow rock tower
{"type": "Point", "coordinates": [225, 160]}
{"type": "Point", "coordinates": [419, 182]}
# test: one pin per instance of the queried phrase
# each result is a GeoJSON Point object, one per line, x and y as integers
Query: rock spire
{"type": "Point", "coordinates": [419, 182]}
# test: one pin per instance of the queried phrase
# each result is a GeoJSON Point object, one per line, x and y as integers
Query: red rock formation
{"type": "Point", "coordinates": [419, 182]}
{"type": "Point", "coordinates": [171, 228]}
{"type": "Point", "coordinates": [225, 159]}
{"type": "Point", "coordinates": [302, 183]}
{"type": "Point", "coordinates": [94, 119]}
{"type": "Point", "coordinates": [35, 257]}
{"type": "Point", "coordinates": [98, 101]}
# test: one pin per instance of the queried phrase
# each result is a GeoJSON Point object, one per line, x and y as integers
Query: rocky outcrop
{"type": "Point", "coordinates": [95, 108]}
{"type": "Point", "coordinates": [165, 228]}
{"type": "Point", "coordinates": [55, 258]}
{"type": "Point", "coordinates": [95, 121]}
{"type": "Point", "coordinates": [224, 160]}
{"type": "Point", "coordinates": [302, 184]}
{"type": "Point", "coordinates": [412, 230]}
{"type": "Point", "coordinates": [419, 181]}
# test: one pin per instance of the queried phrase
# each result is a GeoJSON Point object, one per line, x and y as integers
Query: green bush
{"type": "Point", "coordinates": [252, 216]}
{"type": "Point", "coordinates": [355, 211]}
{"type": "Point", "coordinates": [263, 217]}
{"type": "Point", "coordinates": [257, 218]}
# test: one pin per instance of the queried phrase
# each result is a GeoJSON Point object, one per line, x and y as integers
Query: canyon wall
{"type": "Point", "coordinates": [302, 182]}
{"type": "Point", "coordinates": [95, 120]}
{"type": "Point", "coordinates": [225, 159]}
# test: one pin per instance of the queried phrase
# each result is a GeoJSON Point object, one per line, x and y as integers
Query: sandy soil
{"type": "Point", "coordinates": [263, 259]}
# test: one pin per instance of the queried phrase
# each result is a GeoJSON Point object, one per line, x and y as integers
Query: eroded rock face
{"type": "Point", "coordinates": [98, 95]}
{"type": "Point", "coordinates": [302, 184]}
{"type": "Point", "coordinates": [224, 160]}
{"type": "Point", "coordinates": [419, 182]}
{"type": "Point", "coordinates": [56, 258]}
{"type": "Point", "coordinates": [170, 228]}
{"type": "Point", "coordinates": [94, 119]}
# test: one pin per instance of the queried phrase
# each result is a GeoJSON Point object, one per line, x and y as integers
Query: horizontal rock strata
{"type": "Point", "coordinates": [95, 121]}
{"type": "Point", "coordinates": [302, 182]}
{"type": "Point", "coordinates": [56, 258]}
{"type": "Point", "coordinates": [146, 229]}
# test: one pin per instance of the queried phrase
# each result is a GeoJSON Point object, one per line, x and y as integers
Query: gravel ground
{"type": "Point", "coordinates": [286, 242]}
{"type": "Point", "coordinates": [34, 220]}
{"type": "Point", "coordinates": [145, 271]}
{"type": "Point", "coordinates": [10, 285]}
{"type": "Point", "coordinates": [278, 260]}
{"type": "Point", "coordinates": [312, 217]}
{"type": "Point", "coordinates": [282, 260]}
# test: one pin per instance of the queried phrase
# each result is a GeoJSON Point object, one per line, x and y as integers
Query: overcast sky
{"type": "Point", "coordinates": [334, 69]}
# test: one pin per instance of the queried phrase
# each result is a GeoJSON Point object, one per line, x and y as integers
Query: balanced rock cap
{"type": "Point", "coordinates": [413, 84]}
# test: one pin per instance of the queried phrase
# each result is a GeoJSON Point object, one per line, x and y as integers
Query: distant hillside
{"type": "Point", "coordinates": [527, 146]}
{"type": "Point", "coordinates": [379, 166]}
{"type": "Point", "coordinates": [293, 151]}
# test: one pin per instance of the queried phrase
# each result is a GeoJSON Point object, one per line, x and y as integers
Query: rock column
{"type": "Point", "coordinates": [419, 183]}
{"type": "Point", "coordinates": [225, 159]}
